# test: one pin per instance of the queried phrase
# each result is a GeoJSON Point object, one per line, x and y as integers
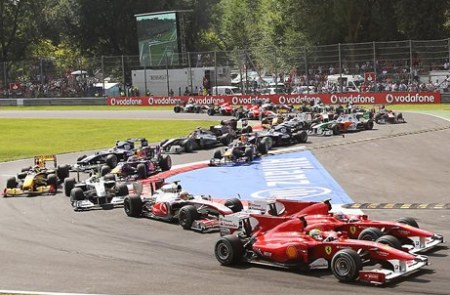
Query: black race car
{"type": "Point", "coordinates": [120, 152]}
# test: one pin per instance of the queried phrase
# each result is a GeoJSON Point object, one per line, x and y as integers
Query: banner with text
{"type": "Point", "coordinates": [289, 99]}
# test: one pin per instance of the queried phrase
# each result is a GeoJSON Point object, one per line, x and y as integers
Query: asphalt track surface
{"type": "Point", "coordinates": [46, 246]}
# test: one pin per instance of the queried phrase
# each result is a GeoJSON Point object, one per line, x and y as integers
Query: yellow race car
{"type": "Point", "coordinates": [38, 179]}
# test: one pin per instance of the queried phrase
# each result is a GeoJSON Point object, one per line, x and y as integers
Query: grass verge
{"type": "Point", "coordinates": [23, 138]}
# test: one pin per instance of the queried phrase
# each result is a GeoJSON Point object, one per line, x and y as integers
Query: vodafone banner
{"type": "Point", "coordinates": [326, 98]}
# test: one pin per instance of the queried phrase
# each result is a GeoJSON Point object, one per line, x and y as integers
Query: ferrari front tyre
{"type": "Point", "coordinates": [111, 161]}
{"type": "Point", "coordinates": [370, 234]}
{"type": "Point", "coordinates": [234, 204]}
{"type": "Point", "coordinates": [187, 215]}
{"type": "Point", "coordinates": [11, 182]}
{"type": "Point", "coordinates": [122, 190]}
{"type": "Point", "coordinates": [346, 265]}
{"type": "Point", "coordinates": [391, 241]}
{"type": "Point", "coordinates": [133, 206]}
{"type": "Point", "coordinates": [409, 221]}
{"type": "Point", "coordinates": [76, 194]}
{"type": "Point", "coordinates": [165, 163]}
{"type": "Point", "coordinates": [228, 250]}
{"type": "Point", "coordinates": [69, 184]}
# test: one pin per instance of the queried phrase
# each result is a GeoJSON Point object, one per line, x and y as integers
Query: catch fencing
{"type": "Point", "coordinates": [409, 60]}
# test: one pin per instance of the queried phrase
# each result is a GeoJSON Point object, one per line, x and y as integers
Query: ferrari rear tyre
{"type": "Point", "coordinates": [122, 190]}
{"type": "Point", "coordinates": [346, 265]}
{"type": "Point", "coordinates": [187, 215]}
{"type": "Point", "coordinates": [228, 250]}
{"type": "Point", "coordinates": [69, 184]}
{"type": "Point", "coordinates": [133, 206]}
{"type": "Point", "coordinates": [141, 170]}
{"type": "Point", "coordinates": [370, 234]}
{"type": "Point", "coordinates": [391, 241]}
{"type": "Point", "coordinates": [409, 221]}
{"type": "Point", "coordinates": [11, 182]}
{"type": "Point", "coordinates": [77, 194]}
{"type": "Point", "coordinates": [111, 161]}
{"type": "Point", "coordinates": [234, 204]}
{"type": "Point", "coordinates": [166, 163]}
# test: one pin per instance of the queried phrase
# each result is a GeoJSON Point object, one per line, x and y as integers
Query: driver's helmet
{"type": "Point", "coordinates": [184, 195]}
{"type": "Point", "coordinates": [340, 215]}
{"type": "Point", "coordinates": [316, 234]}
{"type": "Point", "coordinates": [244, 139]}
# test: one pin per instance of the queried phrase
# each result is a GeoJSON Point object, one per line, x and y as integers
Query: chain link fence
{"type": "Point", "coordinates": [409, 62]}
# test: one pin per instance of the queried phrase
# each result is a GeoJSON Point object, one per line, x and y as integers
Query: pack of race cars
{"type": "Point", "coordinates": [276, 232]}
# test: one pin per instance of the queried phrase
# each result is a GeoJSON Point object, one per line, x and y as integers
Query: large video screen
{"type": "Point", "coordinates": [158, 39]}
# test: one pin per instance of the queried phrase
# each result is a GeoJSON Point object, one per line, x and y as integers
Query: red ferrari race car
{"type": "Point", "coordinates": [284, 243]}
{"type": "Point", "coordinates": [169, 203]}
{"type": "Point", "coordinates": [405, 231]}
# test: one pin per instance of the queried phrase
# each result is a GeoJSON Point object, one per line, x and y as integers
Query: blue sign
{"type": "Point", "coordinates": [298, 176]}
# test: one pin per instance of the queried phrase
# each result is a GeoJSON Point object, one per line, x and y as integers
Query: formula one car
{"type": "Point", "coordinates": [224, 109]}
{"type": "Point", "coordinates": [285, 133]}
{"type": "Point", "coordinates": [286, 244]}
{"type": "Point", "coordinates": [95, 192]}
{"type": "Point", "coordinates": [189, 108]}
{"type": "Point", "coordinates": [38, 179]}
{"type": "Point", "coordinates": [169, 203]}
{"type": "Point", "coordinates": [242, 150]}
{"type": "Point", "coordinates": [120, 152]}
{"type": "Point", "coordinates": [199, 139]}
{"type": "Point", "coordinates": [405, 232]}
{"type": "Point", "coordinates": [136, 167]}
{"type": "Point", "coordinates": [387, 116]}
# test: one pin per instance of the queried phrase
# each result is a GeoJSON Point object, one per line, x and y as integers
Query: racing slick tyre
{"type": "Point", "coordinates": [105, 169]}
{"type": "Point", "coordinates": [188, 145]}
{"type": "Point", "coordinates": [369, 125]}
{"type": "Point", "coordinates": [228, 250]}
{"type": "Point", "coordinates": [218, 154]}
{"type": "Point", "coordinates": [133, 206]}
{"type": "Point", "coordinates": [346, 265]}
{"type": "Point", "coordinates": [391, 241]}
{"type": "Point", "coordinates": [370, 234]}
{"type": "Point", "coordinates": [25, 169]}
{"type": "Point", "coordinates": [141, 170]}
{"type": "Point", "coordinates": [76, 194]}
{"type": "Point", "coordinates": [122, 190]}
{"type": "Point", "coordinates": [165, 163]}
{"type": "Point", "coordinates": [63, 172]}
{"type": "Point", "coordinates": [336, 130]}
{"type": "Point", "coordinates": [211, 112]}
{"type": "Point", "coordinates": [52, 180]}
{"type": "Point", "coordinates": [302, 137]}
{"type": "Point", "coordinates": [248, 154]}
{"type": "Point", "coordinates": [69, 184]}
{"type": "Point", "coordinates": [409, 221]}
{"type": "Point", "coordinates": [177, 109]}
{"type": "Point", "coordinates": [234, 204]}
{"type": "Point", "coordinates": [11, 182]}
{"type": "Point", "coordinates": [187, 215]}
{"type": "Point", "coordinates": [265, 145]}
{"type": "Point", "coordinates": [111, 161]}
